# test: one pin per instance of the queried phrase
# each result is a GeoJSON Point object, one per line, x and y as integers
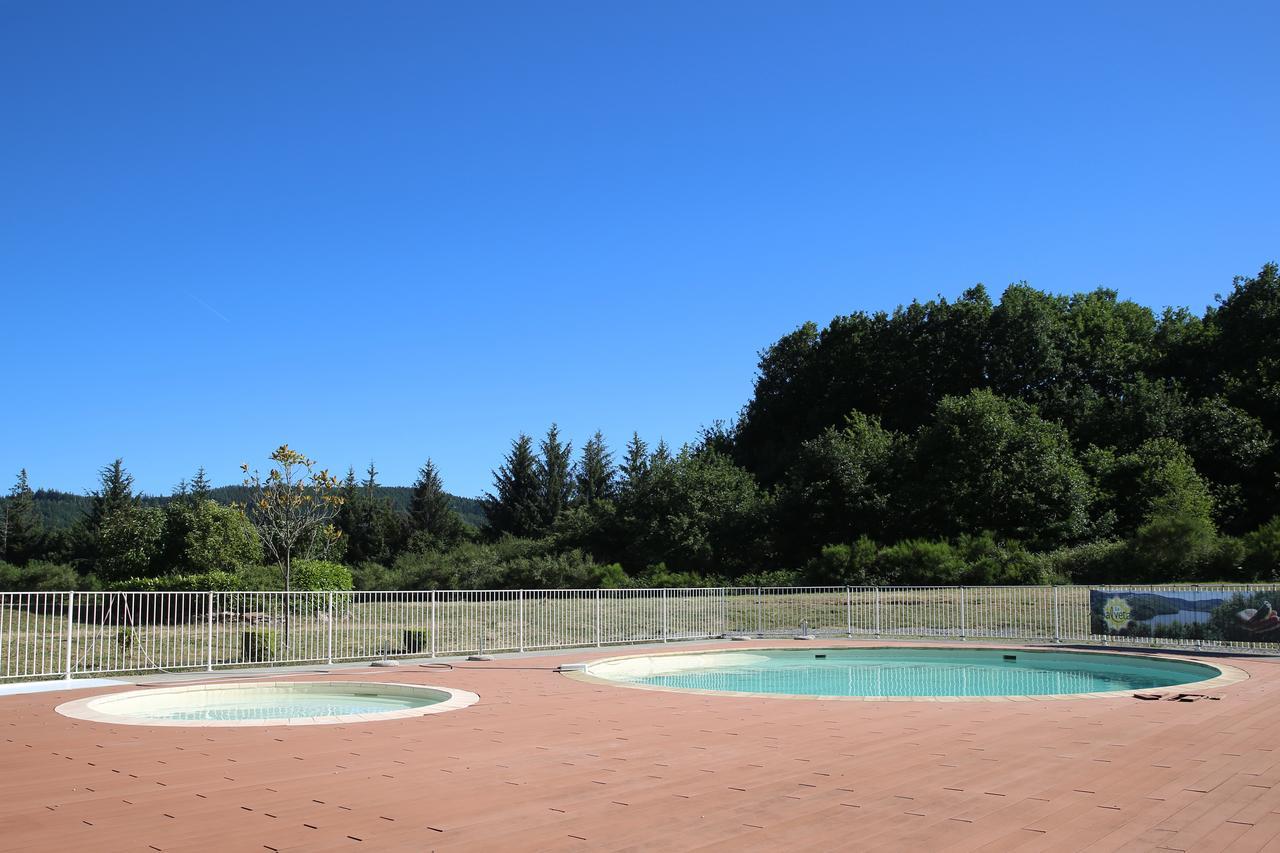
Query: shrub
{"type": "Point", "coordinates": [992, 562]}
{"type": "Point", "coordinates": [216, 581]}
{"type": "Point", "coordinates": [258, 645]}
{"type": "Point", "coordinates": [40, 576]}
{"type": "Point", "coordinates": [851, 565]}
{"type": "Point", "coordinates": [610, 576]}
{"type": "Point", "coordinates": [1262, 552]}
{"type": "Point", "coordinates": [1092, 562]}
{"type": "Point", "coordinates": [777, 577]}
{"type": "Point", "coordinates": [320, 575]}
{"type": "Point", "coordinates": [920, 561]}
{"type": "Point", "coordinates": [416, 640]}
{"type": "Point", "coordinates": [369, 575]}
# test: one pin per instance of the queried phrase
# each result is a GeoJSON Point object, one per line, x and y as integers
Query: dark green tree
{"type": "Point", "coordinates": [839, 489]}
{"type": "Point", "coordinates": [21, 529]}
{"type": "Point", "coordinates": [516, 508]}
{"type": "Point", "coordinates": [555, 477]}
{"type": "Point", "coordinates": [433, 523]}
{"type": "Point", "coordinates": [635, 465]}
{"type": "Point", "coordinates": [990, 463]}
{"type": "Point", "coordinates": [595, 473]}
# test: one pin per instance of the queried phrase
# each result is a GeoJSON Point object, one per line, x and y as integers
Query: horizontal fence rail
{"type": "Point", "coordinates": [47, 635]}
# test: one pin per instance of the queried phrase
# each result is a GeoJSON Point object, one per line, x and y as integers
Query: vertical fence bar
{"type": "Point", "coordinates": [759, 614]}
{"type": "Point", "coordinates": [963, 621]}
{"type": "Point", "coordinates": [433, 623]}
{"type": "Point", "coordinates": [208, 635]}
{"type": "Point", "coordinates": [521, 617]}
{"type": "Point", "coordinates": [877, 602]}
{"type": "Point", "coordinates": [598, 636]}
{"type": "Point", "coordinates": [71, 621]}
{"type": "Point", "coordinates": [665, 622]}
{"type": "Point", "coordinates": [848, 612]}
{"type": "Point", "coordinates": [330, 631]}
{"type": "Point", "coordinates": [1057, 633]}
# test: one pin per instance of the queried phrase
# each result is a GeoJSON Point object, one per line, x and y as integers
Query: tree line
{"type": "Point", "coordinates": [1040, 438]}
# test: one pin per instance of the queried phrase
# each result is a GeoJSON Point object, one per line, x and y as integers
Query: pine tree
{"type": "Point", "coordinates": [595, 472]}
{"type": "Point", "coordinates": [200, 487]}
{"type": "Point", "coordinates": [22, 528]}
{"type": "Point", "coordinates": [636, 464]}
{"type": "Point", "coordinates": [431, 516]}
{"type": "Point", "coordinates": [115, 493]}
{"type": "Point", "coordinates": [515, 507]}
{"type": "Point", "coordinates": [555, 476]}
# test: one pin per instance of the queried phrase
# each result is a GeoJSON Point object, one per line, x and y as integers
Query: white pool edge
{"type": "Point", "coordinates": [92, 708]}
{"type": "Point", "coordinates": [1227, 675]}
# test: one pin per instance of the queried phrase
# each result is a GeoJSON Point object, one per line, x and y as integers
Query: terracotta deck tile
{"type": "Point", "coordinates": [545, 762]}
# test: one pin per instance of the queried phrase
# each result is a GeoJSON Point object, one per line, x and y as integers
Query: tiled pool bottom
{"type": "Point", "coordinates": [267, 703]}
{"type": "Point", "coordinates": [898, 672]}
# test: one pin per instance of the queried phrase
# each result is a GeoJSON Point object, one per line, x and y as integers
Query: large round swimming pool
{"type": "Point", "coordinates": [268, 703]}
{"type": "Point", "coordinates": [904, 672]}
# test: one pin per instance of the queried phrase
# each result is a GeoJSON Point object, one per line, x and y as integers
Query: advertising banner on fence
{"type": "Point", "coordinates": [1239, 616]}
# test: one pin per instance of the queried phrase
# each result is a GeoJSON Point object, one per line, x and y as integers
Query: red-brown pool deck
{"type": "Point", "coordinates": [545, 762]}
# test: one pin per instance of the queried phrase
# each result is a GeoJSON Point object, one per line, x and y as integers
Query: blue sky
{"type": "Point", "coordinates": [398, 230]}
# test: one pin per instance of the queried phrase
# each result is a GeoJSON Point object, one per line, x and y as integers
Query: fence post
{"type": "Point", "coordinates": [521, 592]}
{"type": "Point", "coordinates": [848, 611]}
{"type": "Point", "coordinates": [433, 623]}
{"type": "Point", "coordinates": [1057, 633]}
{"type": "Point", "coordinates": [598, 635]}
{"type": "Point", "coordinates": [759, 614]}
{"type": "Point", "coordinates": [71, 620]}
{"type": "Point", "coordinates": [877, 612]}
{"type": "Point", "coordinates": [208, 637]}
{"type": "Point", "coordinates": [332, 615]}
{"type": "Point", "coordinates": [963, 620]}
{"type": "Point", "coordinates": [665, 623]}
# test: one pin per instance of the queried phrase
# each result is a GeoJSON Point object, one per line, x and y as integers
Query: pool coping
{"type": "Point", "coordinates": [1227, 674]}
{"type": "Point", "coordinates": [89, 708]}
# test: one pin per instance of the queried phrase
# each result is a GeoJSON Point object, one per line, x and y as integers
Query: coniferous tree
{"type": "Point", "coordinates": [431, 516]}
{"type": "Point", "coordinates": [370, 526]}
{"type": "Point", "coordinates": [114, 494]}
{"type": "Point", "coordinates": [21, 530]}
{"type": "Point", "coordinates": [516, 508]}
{"type": "Point", "coordinates": [635, 465]}
{"type": "Point", "coordinates": [555, 476]}
{"type": "Point", "coordinates": [595, 472]}
{"type": "Point", "coordinates": [200, 486]}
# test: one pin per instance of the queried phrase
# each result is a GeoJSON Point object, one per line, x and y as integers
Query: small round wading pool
{"type": "Point", "coordinates": [296, 703]}
{"type": "Point", "coordinates": [910, 673]}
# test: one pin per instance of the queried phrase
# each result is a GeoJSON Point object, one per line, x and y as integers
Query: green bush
{"type": "Point", "coordinates": [416, 640]}
{"type": "Point", "coordinates": [1261, 559]}
{"type": "Point", "coordinates": [320, 575]}
{"type": "Point", "coordinates": [609, 576]}
{"type": "Point", "coordinates": [849, 565]}
{"type": "Point", "coordinates": [1093, 562]}
{"type": "Point", "coordinates": [920, 562]}
{"type": "Point", "coordinates": [39, 576]}
{"type": "Point", "coordinates": [374, 576]}
{"type": "Point", "coordinates": [258, 645]}
{"type": "Point", "coordinates": [777, 577]}
{"type": "Point", "coordinates": [992, 562]}
{"type": "Point", "coordinates": [216, 581]}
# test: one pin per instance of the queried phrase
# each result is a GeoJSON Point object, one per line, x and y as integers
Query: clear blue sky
{"type": "Point", "coordinates": [407, 229]}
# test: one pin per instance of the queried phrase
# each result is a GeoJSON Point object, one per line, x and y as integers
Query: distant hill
{"type": "Point", "coordinates": [62, 509]}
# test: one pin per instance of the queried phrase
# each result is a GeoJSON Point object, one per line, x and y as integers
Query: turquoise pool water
{"type": "Point", "coordinates": [905, 672]}
{"type": "Point", "coordinates": [271, 705]}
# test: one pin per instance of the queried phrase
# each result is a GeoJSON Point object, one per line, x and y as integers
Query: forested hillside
{"type": "Point", "coordinates": [1034, 438]}
{"type": "Point", "coordinates": [62, 510]}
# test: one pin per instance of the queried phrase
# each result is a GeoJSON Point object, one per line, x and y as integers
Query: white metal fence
{"type": "Point", "coordinates": [66, 634]}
